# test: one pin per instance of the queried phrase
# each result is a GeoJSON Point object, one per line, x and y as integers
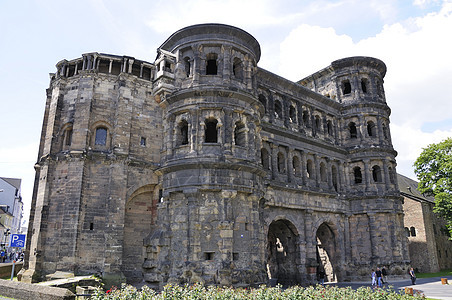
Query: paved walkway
{"type": "Point", "coordinates": [430, 287]}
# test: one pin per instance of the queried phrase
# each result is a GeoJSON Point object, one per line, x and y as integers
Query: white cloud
{"type": "Point", "coordinates": [417, 54]}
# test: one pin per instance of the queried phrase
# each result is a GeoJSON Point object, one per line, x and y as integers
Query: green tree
{"type": "Point", "coordinates": [434, 171]}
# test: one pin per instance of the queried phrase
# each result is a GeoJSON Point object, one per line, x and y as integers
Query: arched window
{"type": "Point", "coordinates": [371, 129]}
{"type": "Point", "coordinates": [67, 136]}
{"type": "Point", "coordinates": [318, 123]}
{"type": "Point", "coordinates": [211, 64]}
{"type": "Point", "coordinates": [281, 163]}
{"type": "Point", "coordinates": [306, 119]}
{"type": "Point", "coordinates": [329, 127]}
{"type": "Point", "coordinates": [278, 109]}
{"type": "Point", "coordinates": [309, 169]}
{"type": "Point", "coordinates": [357, 174]}
{"type": "Point", "coordinates": [187, 65]}
{"type": "Point", "coordinates": [265, 159]}
{"type": "Point", "coordinates": [211, 134]}
{"type": "Point", "coordinates": [182, 134]}
{"type": "Point", "coordinates": [334, 177]}
{"type": "Point", "coordinates": [352, 130]}
{"type": "Point", "coordinates": [412, 231]}
{"type": "Point", "coordinates": [240, 134]}
{"type": "Point", "coordinates": [364, 85]}
{"type": "Point", "coordinates": [323, 176]}
{"type": "Point", "coordinates": [346, 87]}
{"type": "Point", "coordinates": [376, 173]}
{"type": "Point", "coordinates": [101, 136]}
{"type": "Point", "coordinates": [292, 114]}
{"type": "Point", "coordinates": [296, 166]}
{"type": "Point", "coordinates": [237, 68]}
{"type": "Point", "coordinates": [407, 232]}
{"type": "Point", "coordinates": [263, 100]}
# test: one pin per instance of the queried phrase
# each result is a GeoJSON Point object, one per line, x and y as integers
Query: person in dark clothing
{"type": "Point", "coordinates": [413, 276]}
{"type": "Point", "coordinates": [321, 276]}
{"type": "Point", "coordinates": [384, 278]}
{"type": "Point", "coordinates": [378, 273]}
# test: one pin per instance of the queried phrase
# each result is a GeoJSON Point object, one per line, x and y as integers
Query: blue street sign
{"type": "Point", "coordinates": [17, 240]}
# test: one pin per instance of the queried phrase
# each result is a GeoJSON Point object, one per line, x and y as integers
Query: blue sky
{"type": "Point", "coordinates": [298, 38]}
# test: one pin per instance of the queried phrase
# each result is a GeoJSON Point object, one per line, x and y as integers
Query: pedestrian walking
{"type": "Point", "coordinates": [378, 274]}
{"type": "Point", "coordinates": [373, 275]}
{"type": "Point", "coordinates": [384, 273]}
{"type": "Point", "coordinates": [413, 276]}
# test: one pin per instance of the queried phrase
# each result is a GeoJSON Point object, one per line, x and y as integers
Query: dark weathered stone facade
{"type": "Point", "coordinates": [230, 174]}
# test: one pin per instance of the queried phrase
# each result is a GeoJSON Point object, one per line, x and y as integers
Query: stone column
{"type": "Point", "coordinates": [110, 66]}
{"type": "Point", "coordinates": [229, 130]}
{"type": "Point", "coordinates": [373, 237]}
{"type": "Point", "coordinates": [329, 173]}
{"type": "Point", "coordinates": [274, 160]}
{"type": "Point", "coordinates": [303, 168]}
{"type": "Point", "coordinates": [290, 170]}
{"type": "Point", "coordinates": [250, 138]}
{"type": "Point", "coordinates": [196, 62]}
{"type": "Point", "coordinates": [347, 233]}
{"type": "Point", "coordinates": [311, 246]}
{"type": "Point", "coordinates": [380, 131]}
{"type": "Point", "coordinates": [386, 178]}
{"type": "Point", "coordinates": [131, 61]}
{"type": "Point", "coordinates": [360, 128]}
{"type": "Point", "coordinates": [366, 174]}
{"type": "Point", "coordinates": [348, 180]}
{"type": "Point", "coordinates": [317, 170]}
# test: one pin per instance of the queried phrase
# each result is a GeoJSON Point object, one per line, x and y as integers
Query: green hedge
{"type": "Point", "coordinates": [199, 292]}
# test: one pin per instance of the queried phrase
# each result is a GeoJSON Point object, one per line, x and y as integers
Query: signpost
{"type": "Point", "coordinates": [17, 240]}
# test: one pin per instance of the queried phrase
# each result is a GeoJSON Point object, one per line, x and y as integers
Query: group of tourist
{"type": "Point", "coordinates": [379, 277]}
{"type": "Point", "coordinates": [12, 256]}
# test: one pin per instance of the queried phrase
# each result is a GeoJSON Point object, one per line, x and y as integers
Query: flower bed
{"type": "Point", "coordinates": [199, 292]}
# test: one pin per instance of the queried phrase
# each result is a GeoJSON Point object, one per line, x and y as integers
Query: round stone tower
{"type": "Point", "coordinates": [205, 84]}
{"type": "Point", "coordinates": [357, 83]}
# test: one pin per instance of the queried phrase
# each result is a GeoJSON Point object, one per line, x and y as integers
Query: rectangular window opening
{"type": "Point", "coordinates": [235, 256]}
{"type": "Point", "coordinates": [208, 255]}
{"type": "Point", "coordinates": [91, 226]}
{"type": "Point", "coordinates": [143, 141]}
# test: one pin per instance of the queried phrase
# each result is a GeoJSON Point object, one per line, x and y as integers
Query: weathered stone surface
{"type": "Point", "coordinates": [202, 167]}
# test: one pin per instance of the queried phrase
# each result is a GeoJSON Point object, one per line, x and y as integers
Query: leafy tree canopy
{"type": "Point", "coordinates": [434, 171]}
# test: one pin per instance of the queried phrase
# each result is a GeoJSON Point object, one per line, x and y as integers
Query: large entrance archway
{"type": "Point", "coordinates": [283, 253]}
{"type": "Point", "coordinates": [137, 225]}
{"type": "Point", "coordinates": [327, 256]}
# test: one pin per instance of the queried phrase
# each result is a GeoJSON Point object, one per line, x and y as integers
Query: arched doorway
{"type": "Point", "coordinates": [137, 225]}
{"type": "Point", "coordinates": [326, 252]}
{"type": "Point", "coordinates": [283, 253]}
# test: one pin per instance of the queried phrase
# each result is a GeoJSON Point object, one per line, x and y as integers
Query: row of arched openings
{"type": "Point", "coordinates": [210, 132]}
{"type": "Point", "coordinates": [306, 121]}
{"type": "Point", "coordinates": [371, 130]}
{"type": "Point", "coordinates": [297, 171]}
{"type": "Point", "coordinates": [211, 66]}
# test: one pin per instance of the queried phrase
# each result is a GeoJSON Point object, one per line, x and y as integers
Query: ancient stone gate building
{"type": "Point", "coordinates": [201, 166]}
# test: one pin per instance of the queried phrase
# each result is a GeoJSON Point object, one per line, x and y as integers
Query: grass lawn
{"type": "Point", "coordinates": [437, 274]}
